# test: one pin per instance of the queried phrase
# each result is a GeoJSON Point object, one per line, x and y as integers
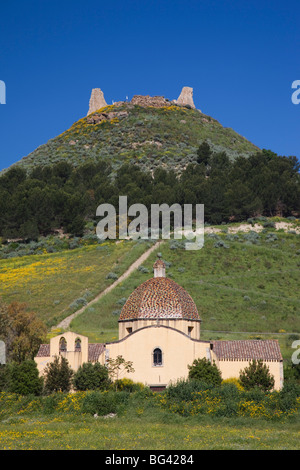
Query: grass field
{"type": "Point", "coordinates": [144, 428]}
{"type": "Point", "coordinates": [140, 424]}
{"type": "Point", "coordinates": [135, 434]}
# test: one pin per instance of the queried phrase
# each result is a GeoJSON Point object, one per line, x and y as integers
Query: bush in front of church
{"type": "Point", "coordinates": [257, 375]}
{"type": "Point", "coordinates": [58, 376]}
{"type": "Point", "coordinates": [128, 385]}
{"type": "Point", "coordinates": [91, 377]}
{"type": "Point", "coordinates": [205, 371]}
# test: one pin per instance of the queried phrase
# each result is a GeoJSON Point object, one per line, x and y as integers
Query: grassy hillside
{"type": "Point", "coordinates": [240, 283]}
{"type": "Point", "coordinates": [246, 284]}
{"type": "Point", "coordinates": [167, 137]}
{"type": "Point", "coordinates": [56, 284]}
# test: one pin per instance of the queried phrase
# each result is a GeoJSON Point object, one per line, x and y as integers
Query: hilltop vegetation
{"type": "Point", "coordinates": [165, 137]}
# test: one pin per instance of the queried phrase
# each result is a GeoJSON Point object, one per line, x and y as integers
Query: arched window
{"type": "Point", "coordinates": [157, 357]}
{"type": "Point", "coordinates": [62, 345]}
{"type": "Point", "coordinates": [78, 345]}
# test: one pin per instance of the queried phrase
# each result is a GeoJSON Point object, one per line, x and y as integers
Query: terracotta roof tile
{"type": "Point", "coordinates": [95, 349]}
{"type": "Point", "coordinates": [44, 350]}
{"type": "Point", "coordinates": [247, 350]}
{"type": "Point", "coordinates": [159, 297]}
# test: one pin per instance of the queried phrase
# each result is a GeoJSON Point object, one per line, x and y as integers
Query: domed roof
{"type": "Point", "coordinates": [159, 297]}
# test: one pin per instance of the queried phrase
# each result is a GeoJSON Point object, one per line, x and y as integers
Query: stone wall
{"type": "Point", "coordinates": [155, 101]}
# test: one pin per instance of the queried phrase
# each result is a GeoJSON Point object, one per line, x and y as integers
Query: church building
{"type": "Point", "coordinates": [159, 332]}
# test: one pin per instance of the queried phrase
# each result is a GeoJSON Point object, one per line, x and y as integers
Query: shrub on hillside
{"type": "Point", "coordinates": [112, 276]}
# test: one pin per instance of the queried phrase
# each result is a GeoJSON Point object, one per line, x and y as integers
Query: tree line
{"type": "Point", "coordinates": [63, 196]}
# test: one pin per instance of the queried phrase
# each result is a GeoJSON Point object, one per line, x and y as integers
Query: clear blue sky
{"type": "Point", "coordinates": [240, 57]}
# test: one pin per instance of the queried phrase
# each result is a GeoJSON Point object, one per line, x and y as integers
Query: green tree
{"type": "Point", "coordinates": [23, 378]}
{"type": "Point", "coordinates": [205, 371]}
{"type": "Point", "coordinates": [118, 366]}
{"type": "Point", "coordinates": [76, 226]}
{"type": "Point", "coordinates": [204, 153]}
{"type": "Point", "coordinates": [29, 230]}
{"type": "Point", "coordinates": [91, 377]}
{"type": "Point", "coordinates": [257, 375]}
{"type": "Point", "coordinates": [21, 330]}
{"type": "Point", "coordinates": [58, 376]}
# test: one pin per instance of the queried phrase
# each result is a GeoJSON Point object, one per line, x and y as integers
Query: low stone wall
{"type": "Point", "coordinates": [155, 101]}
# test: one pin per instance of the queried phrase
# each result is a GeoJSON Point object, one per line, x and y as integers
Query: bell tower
{"type": "Point", "coordinates": [159, 267]}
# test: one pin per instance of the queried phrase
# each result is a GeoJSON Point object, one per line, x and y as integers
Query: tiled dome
{"type": "Point", "coordinates": [159, 297]}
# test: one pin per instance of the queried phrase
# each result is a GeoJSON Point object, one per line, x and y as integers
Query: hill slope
{"type": "Point", "coordinates": [166, 136]}
{"type": "Point", "coordinates": [241, 280]}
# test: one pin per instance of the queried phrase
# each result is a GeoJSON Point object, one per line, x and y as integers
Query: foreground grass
{"type": "Point", "coordinates": [149, 421]}
{"type": "Point", "coordinates": [159, 432]}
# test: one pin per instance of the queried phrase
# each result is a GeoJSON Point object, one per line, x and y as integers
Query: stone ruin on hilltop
{"type": "Point", "coordinates": [185, 98]}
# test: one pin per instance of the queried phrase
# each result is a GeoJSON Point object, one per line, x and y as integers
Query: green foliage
{"type": "Point", "coordinates": [257, 374]}
{"type": "Point", "coordinates": [104, 403]}
{"type": "Point", "coordinates": [147, 136]}
{"type": "Point", "coordinates": [58, 376]}
{"type": "Point", "coordinates": [184, 390]}
{"type": "Point", "coordinates": [204, 153]}
{"type": "Point", "coordinates": [66, 197]}
{"type": "Point", "coordinates": [205, 371]}
{"type": "Point", "coordinates": [22, 378]}
{"type": "Point", "coordinates": [118, 366]}
{"type": "Point", "coordinates": [111, 275]}
{"type": "Point", "coordinates": [21, 330]}
{"type": "Point", "coordinates": [128, 385]}
{"type": "Point", "coordinates": [91, 377]}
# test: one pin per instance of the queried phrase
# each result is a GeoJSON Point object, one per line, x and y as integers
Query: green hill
{"type": "Point", "coordinates": [240, 282]}
{"type": "Point", "coordinates": [167, 136]}
{"type": "Point", "coordinates": [245, 283]}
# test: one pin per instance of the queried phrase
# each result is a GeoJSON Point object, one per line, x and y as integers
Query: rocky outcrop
{"type": "Point", "coordinates": [97, 101]}
{"type": "Point", "coordinates": [96, 118]}
{"type": "Point", "coordinates": [186, 97]}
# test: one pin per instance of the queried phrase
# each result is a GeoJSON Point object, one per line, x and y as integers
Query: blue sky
{"type": "Point", "coordinates": [240, 58]}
